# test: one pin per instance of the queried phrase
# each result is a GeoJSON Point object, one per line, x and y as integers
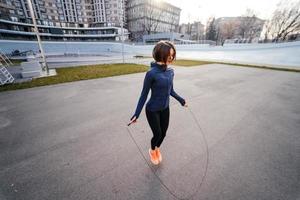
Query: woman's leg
{"type": "Point", "coordinates": [153, 119]}
{"type": "Point", "coordinates": [164, 124]}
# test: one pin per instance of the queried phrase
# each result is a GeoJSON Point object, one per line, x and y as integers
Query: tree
{"type": "Point", "coordinates": [173, 26]}
{"type": "Point", "coordinates": [224, 30]}
{"type": "Point", "coordinates": [211, 31]}
{"type": "Point", "coordinates": [227, 31]}
{"type": "Point", "coordinates": [285, 20]}
{"type": "Point", "coordinates": [152, 17]}
{"type": "Point", "coordinates": [266, 31]}
{"type": "Point", "coordinates": [248, 26]}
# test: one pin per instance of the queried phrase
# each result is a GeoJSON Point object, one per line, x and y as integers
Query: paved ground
{"type": "Point", "coordinates": [70, 141]}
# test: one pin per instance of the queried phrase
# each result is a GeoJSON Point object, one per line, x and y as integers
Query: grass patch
{"type": "Point", "coordinates": [71, 74]}
{"type": "Point", "coordinates": [17, 61]}
{"type": "Point", "coordinates": [141, 56]}
{"type": "Point", "coordinates": [14, 61]}
{"type": "Point", "coordinates": [262, 67]}
{"type": "Point", "coordinates": [189, 63]}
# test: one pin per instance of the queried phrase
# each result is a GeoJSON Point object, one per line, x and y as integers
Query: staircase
{"type": "Point", "coordinates": [5, 76]}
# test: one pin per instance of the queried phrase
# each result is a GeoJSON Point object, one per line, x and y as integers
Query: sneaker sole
{"type": "Point", "coordinates": [152, 161]}
{"type": "Point", "coordinates": [159, 157]}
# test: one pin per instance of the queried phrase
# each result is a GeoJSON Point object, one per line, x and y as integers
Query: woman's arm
{"type": "Point", "coordinates": [176, 96]}
{"type": "Point", "coordinates": [146, 87]}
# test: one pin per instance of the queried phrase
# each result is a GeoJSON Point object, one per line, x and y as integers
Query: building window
{"type": "Point", "coordinates": [14, 19]}
{"type": "Point", "coordinates": [9, 2]}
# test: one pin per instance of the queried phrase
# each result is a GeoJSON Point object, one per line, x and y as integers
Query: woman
{"type": "Point", "coordinates": [160, 80]}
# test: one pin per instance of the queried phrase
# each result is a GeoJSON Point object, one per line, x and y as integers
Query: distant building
{"type": "Point", "coordinates": [145, 17]}
{"type": "Point", "coordinates": [195, 30]}
{"type": "Point", "coordinates": [239, 29]}
{"type": "Point", "coordinates": [63, 19]}
{"type": "Point", "coordinates": [177, 38]}
{"type": "Point", "coordinates": [185, 29]}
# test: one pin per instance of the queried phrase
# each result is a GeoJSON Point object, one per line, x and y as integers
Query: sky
{"type": "Point", "coordinates": [201, 10]}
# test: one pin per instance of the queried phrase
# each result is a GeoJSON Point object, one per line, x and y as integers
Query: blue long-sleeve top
{"type": "Point", "coordinates": [160, 81]}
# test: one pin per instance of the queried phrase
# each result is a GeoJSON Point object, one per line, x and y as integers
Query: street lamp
{"type": "Point", "coordinates": [45, 67]}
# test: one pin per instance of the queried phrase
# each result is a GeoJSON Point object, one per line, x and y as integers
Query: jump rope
{"type": "Point", "coordinates": [154, 172]}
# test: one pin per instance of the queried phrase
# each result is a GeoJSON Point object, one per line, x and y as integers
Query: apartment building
{"type": "Point", "coordinates": [64, 19]}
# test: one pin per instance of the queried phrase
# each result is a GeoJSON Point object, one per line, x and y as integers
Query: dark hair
{"type": "Point", "coordinates": [161, 51]}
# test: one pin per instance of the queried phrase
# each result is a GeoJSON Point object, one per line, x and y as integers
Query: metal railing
{"type": "Point", "coordinates": [5, 76]}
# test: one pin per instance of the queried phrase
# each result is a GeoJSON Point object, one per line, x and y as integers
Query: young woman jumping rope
{"type": "Point", "coordinates": [160, 80]}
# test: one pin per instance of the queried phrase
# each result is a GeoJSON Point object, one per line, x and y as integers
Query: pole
{"type": "Point", "coordinates": [122, 30]}
{"type": "Point", "coordinates": [45, 67]}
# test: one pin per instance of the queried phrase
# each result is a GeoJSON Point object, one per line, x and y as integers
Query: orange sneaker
{"type": "Point", "coordinates": [158, 154]}
{"type": "Point", "coordinates": [153, 157]}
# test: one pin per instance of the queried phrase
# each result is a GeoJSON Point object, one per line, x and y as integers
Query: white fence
{"type": "Point", "coordinates": [264, 53]}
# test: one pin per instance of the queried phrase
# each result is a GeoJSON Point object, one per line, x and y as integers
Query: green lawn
{"type": "Point", "coordinates": [71, 74]}
{"type": "Point", "coordinates": [262, 67]}
{"type": "Point", "coordinates": [13, 61]}
{"type": "Point", "coordinates": [189, 63]}
{"type": "Point", "coordinates": [79, 73]}
{"type": "Point", "coordinates": [17, 62]}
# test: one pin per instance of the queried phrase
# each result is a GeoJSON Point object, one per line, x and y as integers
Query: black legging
{"type": "Point", "coordinates": [159, 122]}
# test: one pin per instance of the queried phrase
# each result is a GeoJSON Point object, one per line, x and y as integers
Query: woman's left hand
{"type": "Point", "coordinates": [185, 104]}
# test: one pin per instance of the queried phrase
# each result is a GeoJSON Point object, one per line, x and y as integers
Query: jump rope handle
{"type": "Point", "coordinates": [131, 123]}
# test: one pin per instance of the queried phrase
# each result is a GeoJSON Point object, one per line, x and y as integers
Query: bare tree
{"type": "Point", "coordinates": [285, 20]}
{"type": "Point", "coordinates": [266, 31]}
{"type": "Point", "coordinates": [152, 17]}
{"type": "Point", "coordinates": [228, 30]}
{"type": "Point", "coordinates": [174, 21]}
{"type": "Point", "coordinates": [248, 26]}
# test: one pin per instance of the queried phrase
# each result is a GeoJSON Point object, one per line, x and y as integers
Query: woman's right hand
{"type": "Point", "coordinates": [132, 120]}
